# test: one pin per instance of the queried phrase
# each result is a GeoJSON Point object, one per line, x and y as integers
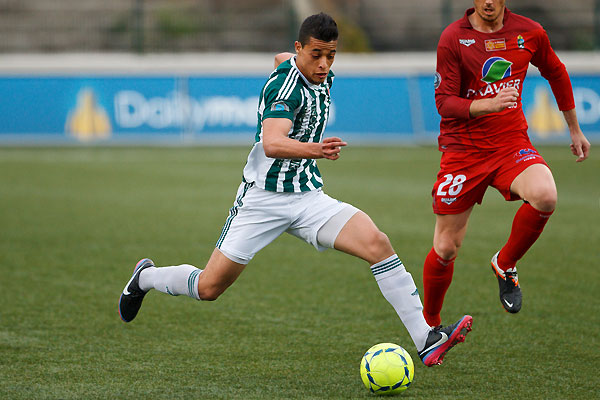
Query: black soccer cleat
{"type": "Point", "coordinates": [508, 283]}
{"type": "Point", "coordinates": [132, 296]}
{"type": "Point", "coordinates": [441, 339]}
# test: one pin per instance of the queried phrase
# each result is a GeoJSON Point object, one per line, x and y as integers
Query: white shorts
{"type": "Point", "coordinates": [259, 216]}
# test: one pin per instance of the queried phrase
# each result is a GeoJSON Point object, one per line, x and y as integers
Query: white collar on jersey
{"type": "Point", "coordinates": [310, 85]}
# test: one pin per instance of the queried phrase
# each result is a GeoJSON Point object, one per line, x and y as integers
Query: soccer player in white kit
{"type": "Point", "coordinates": [282, 192]}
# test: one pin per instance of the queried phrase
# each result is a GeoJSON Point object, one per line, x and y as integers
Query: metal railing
{"type": "Point", "coordinates": [147, 26]}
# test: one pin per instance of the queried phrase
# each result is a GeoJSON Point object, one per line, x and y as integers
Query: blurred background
{"type": "Point", "coordinates": [189, 71]}
{"type": "Point", "coordinates": [111, 117]}
{"type": "Point", "coordinates": [147, 26]}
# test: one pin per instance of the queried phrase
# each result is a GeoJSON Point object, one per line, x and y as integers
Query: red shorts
{"type": "Point", "coordinates": [464, 177]}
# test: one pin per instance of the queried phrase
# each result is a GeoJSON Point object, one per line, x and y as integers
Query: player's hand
{"type": "Point", "coordinates": [580, 146]}
{"type": "Point", "coordinates": [505, 98]}
{"type": "Point", "coordinates": [331, 147]}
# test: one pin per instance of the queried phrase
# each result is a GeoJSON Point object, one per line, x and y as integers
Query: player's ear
{"type": "Point", "coordinates": [297, 46]}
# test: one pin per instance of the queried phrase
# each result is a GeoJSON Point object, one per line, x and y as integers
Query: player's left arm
{"type": "Point", "coordinates": [281, 57]}
{"type": "Point", "coordinates": [580, 146]}
{"type": "Point", "coordinates": [554, 71]}
{"type": "Point", "coordinates": [277, 144]}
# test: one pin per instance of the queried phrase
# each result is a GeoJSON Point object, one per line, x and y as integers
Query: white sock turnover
{"type": "Point", "coordinates": [399, 289]}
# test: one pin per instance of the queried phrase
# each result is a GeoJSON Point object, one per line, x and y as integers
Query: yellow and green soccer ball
{"type": "Point", "coordinates": [387, 368]}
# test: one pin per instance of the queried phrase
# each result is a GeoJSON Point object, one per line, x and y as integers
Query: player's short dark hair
{"type": "Point", "coordinates": [319, 26]}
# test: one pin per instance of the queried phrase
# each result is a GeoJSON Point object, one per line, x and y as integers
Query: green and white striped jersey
{"type": "Point", "coordinates": [288, 94]}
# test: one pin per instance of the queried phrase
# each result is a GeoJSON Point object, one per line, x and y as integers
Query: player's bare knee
{"type": "Point", "coordinates": [379, 246]}
{"type": "Point", "coordinates": [447, 249]}
{"type": "Point", "coordinates": [448, 253]}
{"type": "Point", "coordinates": [546, 204]}
{"type": "Point", "coordinates": [544, 200]}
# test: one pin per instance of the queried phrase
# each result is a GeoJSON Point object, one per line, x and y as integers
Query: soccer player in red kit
{"type": "Point", "coordinates": [482, 61]}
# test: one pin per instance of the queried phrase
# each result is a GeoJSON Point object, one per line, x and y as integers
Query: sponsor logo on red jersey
{"type": "Point", "coordinates": [495, 69]}
{"type": "Point", "coordinates": [466, 42]}
{"type": "Point", "coordinates": [494, 88]}
{"type": "Point", "coordinates": [495, 44]}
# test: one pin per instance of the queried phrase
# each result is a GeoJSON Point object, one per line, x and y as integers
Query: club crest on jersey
{"type": "Point", "coordinates": [520, 42]}
{"type": "Point", "coordinates": [280, 106]}
{"type": "Point", "coordinates": [495, 44]}
{"type": "Point", "coordinates": [466, 42]}
{"type": "Point", "coordinates": [495, 69]}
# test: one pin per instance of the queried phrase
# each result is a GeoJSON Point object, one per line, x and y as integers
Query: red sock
{"type": "Point", "coordinates": [437, 276]}
{"type": "Point", "coordinates": [526, 228]}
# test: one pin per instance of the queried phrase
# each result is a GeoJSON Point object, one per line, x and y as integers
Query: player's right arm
{"type": "Point", "coordinates": [277, 144]}
{"type": "Point", "coordinates": [282, 98]}
{"type": "Point", "coordinates": [449, 102]}
{"type": "Point", "coordinates": [507, 97]}
{"type": "Point", "coordinates": [448, 98]}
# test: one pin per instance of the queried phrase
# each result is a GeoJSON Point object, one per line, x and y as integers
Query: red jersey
{"type": "Point", "coordinates": [474, 65]}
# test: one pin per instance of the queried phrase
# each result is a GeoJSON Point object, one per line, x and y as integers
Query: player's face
{"type": "Point", "coordinates": [489, 10]}
{"type": "Point", "coordinates": [314, 59]}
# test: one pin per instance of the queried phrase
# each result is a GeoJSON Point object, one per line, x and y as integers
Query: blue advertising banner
{"type": "Point", "coordinates": [207, 108]}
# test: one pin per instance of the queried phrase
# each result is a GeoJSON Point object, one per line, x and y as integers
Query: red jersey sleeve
{"type": "Point", "coordinates": [554, 71]}
{"type": "Point", "coordinates": [448, 81]}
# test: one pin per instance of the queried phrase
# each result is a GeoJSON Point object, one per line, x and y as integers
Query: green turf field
{"type": "Point", "coordinates": [74, 222]}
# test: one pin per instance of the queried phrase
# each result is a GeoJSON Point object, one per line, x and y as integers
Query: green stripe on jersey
{"type": "Point", "coordinates": [287, 94]}
{"type": "Point", "coordinates": [273, 176]}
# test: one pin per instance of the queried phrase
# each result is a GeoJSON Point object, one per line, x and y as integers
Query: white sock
{"type": "Point", "coordinates": [177, 280]}
{"type": "Point", "coordinates": [399, 289]}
